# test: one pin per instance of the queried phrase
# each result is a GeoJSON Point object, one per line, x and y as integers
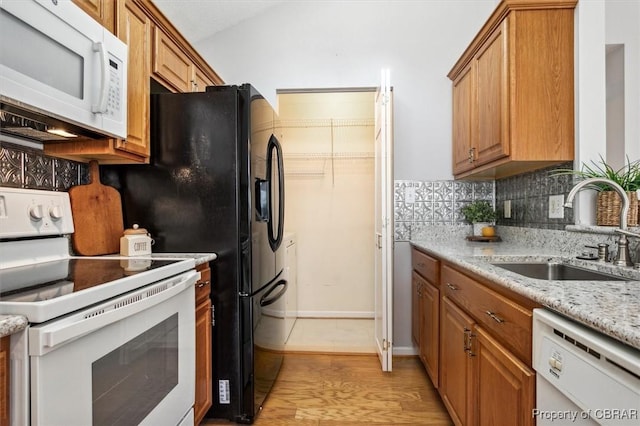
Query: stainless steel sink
{"type": "Point", "coordinates": [555, 271]}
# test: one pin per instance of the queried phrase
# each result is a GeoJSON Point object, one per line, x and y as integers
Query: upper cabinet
{"type": "Point", "coordinates": [513, 108]}
{"type": "Point", "coordinates": [156, 51]}
{"type": "Point", "coordinates": [173, 68]}
{"type": "Point", "coordinates": [103, 11]}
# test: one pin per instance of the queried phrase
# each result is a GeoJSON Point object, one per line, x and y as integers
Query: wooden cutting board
{"type": "Point", "coordinates": [97, 216]}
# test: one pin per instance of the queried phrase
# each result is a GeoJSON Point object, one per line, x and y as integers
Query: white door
{"type": "Point", "coordinates": [384, 223]}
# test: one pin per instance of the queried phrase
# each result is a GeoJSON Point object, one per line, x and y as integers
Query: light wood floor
{"type": "Point", "coordinates": [349, 390]}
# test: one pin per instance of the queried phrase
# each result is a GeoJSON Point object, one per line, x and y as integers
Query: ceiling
{"type": "Point", "coordinates": [200, 19]}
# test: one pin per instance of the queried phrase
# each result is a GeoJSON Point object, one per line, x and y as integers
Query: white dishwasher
{"type": "Point", "coordinates": [583, 377]}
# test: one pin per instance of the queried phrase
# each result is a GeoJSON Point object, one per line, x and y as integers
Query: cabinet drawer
{"type": "Point", "coordinates": [509, 322]}
{"type": "Point", "coordinates": [203, 286]}
{"type": "Point", "coordinates": [425, 265]}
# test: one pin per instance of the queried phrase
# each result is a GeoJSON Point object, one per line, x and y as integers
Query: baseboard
{"type": "Point", "coordinates": [405, 351]}
{"type": "Point", "coordinates": [336, 314]}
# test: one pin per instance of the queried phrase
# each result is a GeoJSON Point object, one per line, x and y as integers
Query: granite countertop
{"type": "Point", "coordinates": [611, 307]}
{"type": "Point", "coordinates": [10, 324]}
{"type": "Point", "coordinates": [199, 258]}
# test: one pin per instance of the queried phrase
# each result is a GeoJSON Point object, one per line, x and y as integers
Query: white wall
{"type": "Point", "coordinates": [328, 44]}
{"type": "Point", "coordinates": [324, 44]}
{"type": "Point", "coordinates": [600, 22]}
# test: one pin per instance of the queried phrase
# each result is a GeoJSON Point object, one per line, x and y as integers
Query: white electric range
{"type": "Point", "coordinates": [110, 340]}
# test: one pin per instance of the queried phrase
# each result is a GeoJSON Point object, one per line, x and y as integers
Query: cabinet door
{"type": "Point", "coordinates": [4, 381]}
{"type": "Point", "coordinates": [456, 386]}
{"type": "Point", "coordinates": [504, 386]}
{"type": "Point", "coordinates": [490, 66]}
{"type": "Point", "coordinates": [170, 64]}
{"type": "Point", "coordinates": [464, 122]}
{"type": "Point", "coordinates": [430, 320]}
{"type": "Point", "coordinates": [200, 80]}
{"type": "Point", "coordinates": [204, 374]}
{"type": "Point", "coordinates": [102, 11]}
{"type": "Point", "coordinates": [415, 308]}
{"type": "Point", "coordinates": [134, 29]}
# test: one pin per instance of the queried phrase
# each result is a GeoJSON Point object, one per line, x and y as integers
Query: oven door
{"type": "Point", "coordinates": [127, 361]}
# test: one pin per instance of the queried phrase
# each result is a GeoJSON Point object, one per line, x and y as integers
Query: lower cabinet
{"type": "Point", "coordinates": [482, 383]}
{"type": "Point", "coordinates": [456, 374]}
{"type": "Point", "coordinates": [475, 344]}
{"type": "Point", "coordinates": [4, 380]}
{"type": "Point", "coordinates": [204, 373]}
{"type": "Point", "coordinates": [429, 329]}
{"type": "Point", "coordinates": [425, 305]}
{"type": "Point", "coordinates": [504, 385]}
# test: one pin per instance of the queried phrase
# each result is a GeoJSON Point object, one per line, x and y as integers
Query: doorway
{"type": "Point", "coordinates": [328, 148]}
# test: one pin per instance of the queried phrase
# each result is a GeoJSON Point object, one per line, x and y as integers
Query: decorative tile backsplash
{"type": "Point", "coordinates": [529, 194]}
{"type": "Point", "coordinates": [22, 167]}
{"type": "Point", "coordinates": [418, 203]}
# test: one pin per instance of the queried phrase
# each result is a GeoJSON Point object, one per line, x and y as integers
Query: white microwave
{"type": "Point", "coordinates": [62, 69]}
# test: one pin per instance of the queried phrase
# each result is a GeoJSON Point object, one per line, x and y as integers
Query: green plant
{"type": "Point", "coordinates": [478, 211]}
{"type": "Point", "coordinates": [627, 176]}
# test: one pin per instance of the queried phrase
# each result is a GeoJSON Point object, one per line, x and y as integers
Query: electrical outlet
{"type": "Point", "coordinates": [556, 206]}
{"type": "Point", "coordinates": [410, 194]}
{"type": "Point", "coordinates": [507, 209]}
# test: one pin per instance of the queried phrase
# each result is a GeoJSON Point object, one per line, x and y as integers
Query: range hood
{"type": "Point", "coordinates": [37, 126]}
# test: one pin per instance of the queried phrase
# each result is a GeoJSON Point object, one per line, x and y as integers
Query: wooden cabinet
{"type": "Point", "coordinates": [504, 387]}
{"type": "Point", "coordinates": [135, 29]}
{"type": "Point", "coordinates": [103, 11]}
{"type": "Point", "coordinates": [156, 50]}
{"type": "Point", "coordinates": [486, 374]}
{"type": "Point", "coordinates": [425, 326]}
{"type": "Point", "coordinates": [513, 91]}
{"type": "Point", "coordinates": [463, 124]}
{"type": "Point", "coordinates": [429, 329]}
{"type": "Point", "coordinates": [4, 380]}
{"type": "Point", "coordinates": [174, 68]}
{"type": "Point", "coordinates": [456, 376]}
{"type": "Point", "coordinates": [204, 373]}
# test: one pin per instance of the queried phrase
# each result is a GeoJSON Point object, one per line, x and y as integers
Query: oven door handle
{"type": "Point", "coordinates": [45, 339]}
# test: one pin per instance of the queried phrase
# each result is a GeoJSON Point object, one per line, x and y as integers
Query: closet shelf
{"type": "Point", "coordinates": [326, 122]}
{"type": "Point", "coordinates": [310, 156]}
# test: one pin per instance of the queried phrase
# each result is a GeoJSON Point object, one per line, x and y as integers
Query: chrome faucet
{"type": "Point", "coordinates": [623, 258]}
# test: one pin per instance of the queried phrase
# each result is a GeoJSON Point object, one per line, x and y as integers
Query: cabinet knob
{"type": "Point", "coordinates": [452, 287]}
{"type": "Point", "coordinates": [203, 283]}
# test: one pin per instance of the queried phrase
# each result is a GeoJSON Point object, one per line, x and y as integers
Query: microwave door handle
{"type": "Point", "coordinates": [101, 106]}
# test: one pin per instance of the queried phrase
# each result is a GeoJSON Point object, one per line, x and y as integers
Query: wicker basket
{"type": "Point", "coordinates": [609, 205]}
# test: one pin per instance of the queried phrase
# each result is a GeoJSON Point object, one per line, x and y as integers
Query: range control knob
{"type": "Point", "coordinates": [35, 212]}
{"type": "Point", "coordinates": [55, 212]}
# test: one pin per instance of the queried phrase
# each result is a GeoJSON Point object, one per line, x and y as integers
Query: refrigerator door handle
{"type": "Point", "coordinates": [274, 145]}
{"type": "Point", "coordinates": [265, 300]}
{"type": "Point", "coordinates": [245, 294]}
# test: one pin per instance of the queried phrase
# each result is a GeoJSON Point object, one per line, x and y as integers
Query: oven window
{"type": "Point", "coordinates": [130, 381]}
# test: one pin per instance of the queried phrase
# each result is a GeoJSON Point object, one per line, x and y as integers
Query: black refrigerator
{"type": "Point", "coordinates": [215, 183]}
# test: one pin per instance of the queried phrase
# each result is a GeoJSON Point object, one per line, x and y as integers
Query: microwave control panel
{"type": "Point", "coordinates": [115, 100]}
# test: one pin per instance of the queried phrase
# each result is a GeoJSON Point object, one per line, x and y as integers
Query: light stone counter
{"type": "Point", "coordinates": [199, 258]}
{"type": "Point", "coordinates": [10, 324]}
{"type": "Point", "coordinates": [611, 307]}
